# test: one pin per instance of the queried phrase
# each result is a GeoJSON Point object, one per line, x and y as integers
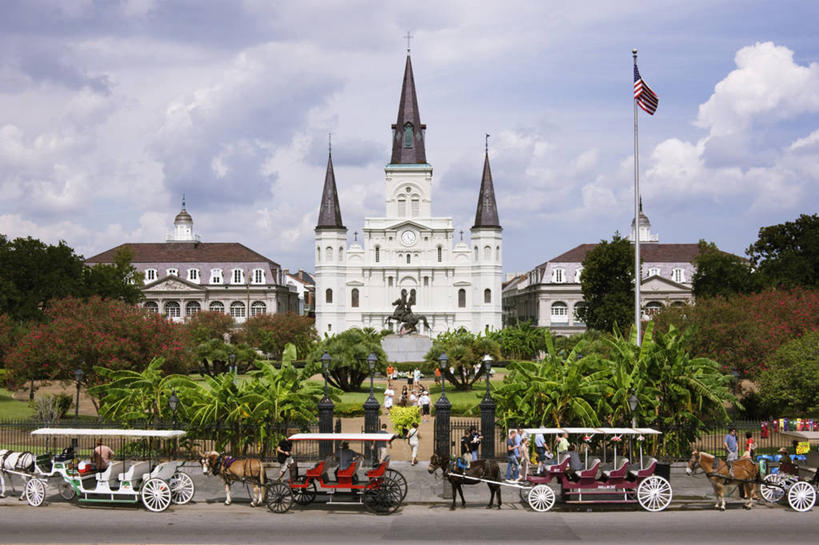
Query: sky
{"type": "Point", "coordinates": [111, 110]}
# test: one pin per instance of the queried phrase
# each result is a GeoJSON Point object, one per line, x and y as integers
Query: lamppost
{"type": "Point", "coordinates": [488, 407]}
{"type": "Point", "coordinates": [371, 406]}
{"type": "Point", "coordinates": [173, 403]}
{"type": "Point", "coordinates": [78, 374]}
{"type": "Point", "coordinates": [325, 409]}
{"type": "Point", "coordinates": [633, 402]}
{"type": "Point", "coordinates": [442, 412]}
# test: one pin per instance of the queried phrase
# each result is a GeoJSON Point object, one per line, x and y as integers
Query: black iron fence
{"type": "Point", "coordinates": [16, 435]}
{"type": "Point", "coordinates": [766, 442]}
{"type": "Point", "coordinates": [460, 425]}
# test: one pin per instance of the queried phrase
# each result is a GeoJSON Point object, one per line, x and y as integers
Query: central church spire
{"type": "Point", "coordinates": [408, 132]}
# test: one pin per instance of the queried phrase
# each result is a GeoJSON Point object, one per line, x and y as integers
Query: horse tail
{"type": "Point", "coordinates": [262, 474]}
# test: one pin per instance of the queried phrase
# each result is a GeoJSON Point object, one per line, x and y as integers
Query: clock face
{"type": "Point", "coordinates": [408, 238]}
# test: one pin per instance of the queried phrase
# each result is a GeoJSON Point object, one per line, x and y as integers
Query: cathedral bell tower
{"type": "Point", "coordinates": [331, 243]}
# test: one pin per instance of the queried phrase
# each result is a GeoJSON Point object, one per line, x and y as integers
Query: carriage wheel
{"type": "Point", "coordinates": [304, 494]}
{"type": "Point", "coordinates": [399, 479]}
{"type": "Point", "coordinates": [541, 498]}
{"type": "Point", "coordinates": [382, 496]}
{"type": "Point", "coordinates": [35, 492]}
{"type": "Point", "coordinates": [278, 497]}
{"type": "Point", "coordinates": [654, 493]}
{"type": "Point", "coordinates": [524, 490]}
{"type": "Point", "coordinates": [156, 495]}
{"type": "Point", "coordinates": [802, 496]}
{"type": "Point", "coordinates": [773, 491]}
{"type": "Point", "coordinates": [182, 488]}
{"type": "Point", "coordinates": [67, 491]}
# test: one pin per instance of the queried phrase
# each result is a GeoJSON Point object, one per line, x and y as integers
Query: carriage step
{"type": "Point", "coordinates": [331, 502]}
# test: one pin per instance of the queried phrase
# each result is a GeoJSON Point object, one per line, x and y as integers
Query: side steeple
{"type": "Point", "coordinates": [487, 213]}
{"type": "Point", "coordinates": [408, 132]}
{"type": "Point", "coordinates": [330, 211]}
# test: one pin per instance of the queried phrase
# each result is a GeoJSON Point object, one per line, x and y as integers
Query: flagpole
{"type": "Point", "coordinates": [637, 272]}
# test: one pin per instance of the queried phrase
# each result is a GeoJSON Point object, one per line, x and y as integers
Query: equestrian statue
{"type": "Point", "coordinates": [404, 316]}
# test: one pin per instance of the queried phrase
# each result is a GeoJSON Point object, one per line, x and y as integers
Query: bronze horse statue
{"type": "Point", "coordinates": [403, 314]}
{"type": "Point", "coordinates": [744, 472]}
{"type": "Point", "coordinates": [480, 469]}
{"type": "Point", "coordinates": [236, 470]}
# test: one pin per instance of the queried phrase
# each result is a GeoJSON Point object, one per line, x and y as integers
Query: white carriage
{"type": "Point", "coordinates": [156, 485]}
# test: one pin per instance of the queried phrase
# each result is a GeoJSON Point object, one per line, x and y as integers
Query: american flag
{"type": "Point", "coordinates": [644, 96]}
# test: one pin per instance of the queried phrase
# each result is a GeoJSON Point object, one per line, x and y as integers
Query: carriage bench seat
{"type": "Point", "coordinates": [377, 472]}
{"type": "Point", "coordinates": [110, 473]}
{"type": "Point", "coordinates": [349, 472]}
{"type": "Point", "coordinates": [589, 474]}
{"type": "Point", "coordinates": [617, 474]}
{"type": "Point", "coordinates": [135, 472]}
{"type": "Point", "coordinates": [645, 472]}
{"type": "Point", "coordinates": [165, 470]}
{"type": "Point", "coordinates": [315, 471]}
{"type": "Point", "coordinates": [558, 468]}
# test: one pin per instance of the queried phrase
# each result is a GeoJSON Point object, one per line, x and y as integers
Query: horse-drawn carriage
{"type": "Point", "coordinates": [380, 489]}
{"type": "Point", "coordinates": [785, 481]}
{"type": "Point", "coordinates": [156, 485]}
{"type": "Point", "coordinates": [624, 483]}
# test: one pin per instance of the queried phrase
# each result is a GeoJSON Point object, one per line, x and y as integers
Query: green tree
{"type": "Point", "coordinates": [721, 273]}
{"type": "Point", "coordinates": [465, 353]}
{"type": "Point", "coordinates": [32, 274]}
{"type": "Point", "coordinates": [558, 391]}
{"type": "Point", "coordinates": [523, 340]}
{"type": "Point", "coordinates": [607, 283]}
{"type": "Point", "coordinates": [127, 395]}
{"type": "Point", "coordinates": [348, 352]}
{"type": "Point", "coordinates": [119, 280]}
{"type": "Point", "coordinates": [787, 254]}
{"type": "Point", "coordinates": [207, 325]}
{"type": "Point", "coordinates": [790, 384]}
{"type": "Point", "coordinates": [270, 333]}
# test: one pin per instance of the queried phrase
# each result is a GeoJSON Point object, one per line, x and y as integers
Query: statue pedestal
{"type": "Point", "coordinates": [401, 348]}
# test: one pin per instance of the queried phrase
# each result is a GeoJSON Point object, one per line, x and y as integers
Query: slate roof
{"type": "Point", "coordinates": [649, 252]}
{"type": "Point", "coordinates": [185, 252]}
{"type": "Point", "coordinates": [486, 214]}
{"type": "Point", "coordinates": [408, 113]}
{"type": "Point", "coordinates": [330, 211]}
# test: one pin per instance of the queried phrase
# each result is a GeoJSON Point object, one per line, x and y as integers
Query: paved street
{"type": "Point", "coordinates": [214, 523]}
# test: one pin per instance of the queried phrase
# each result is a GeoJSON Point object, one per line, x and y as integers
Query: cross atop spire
{"type": "Point", "coordinates": [330, 143]}
{"type": "Point", "coordinates": [487, 143]}
{"type": "Point", "coordinates": [408, 131]}
{"type": "Point", "coordinates": [408, 37]}
{"type": "Point", "coordinates": [183, 201]}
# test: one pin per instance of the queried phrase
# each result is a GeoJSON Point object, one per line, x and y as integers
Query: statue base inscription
{"type": "Point", "coordinates": [401, 348]}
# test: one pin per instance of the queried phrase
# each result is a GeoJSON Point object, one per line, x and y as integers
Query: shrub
{"type": "Point", "coordinates": [402, 419]}
{"type": "Point", "coordinates": [790, 384]}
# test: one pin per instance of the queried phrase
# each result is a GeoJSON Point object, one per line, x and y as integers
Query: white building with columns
{"type": "Point", "coordinates": [454, 283]}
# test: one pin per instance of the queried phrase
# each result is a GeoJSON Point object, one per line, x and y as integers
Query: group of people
{"type": "Point", "coordinates": [731, 443]}
{"type": "Point", "coordinates": [410, 397]}
{"type": "Point", "coordinates": [518, 453]}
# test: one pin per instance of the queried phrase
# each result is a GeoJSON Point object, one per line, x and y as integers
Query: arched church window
{"type": "Point", "coordinates": [440, 254]}
{"type": "Point", "coordinates": [318, 254]}
{"type": "Point", "coordinates": [328, 253]}
{"type": "Point", "coordinates": [328, 296]}
{"type": "Point", "coordinates": [408, 259]}
{"type": "Point", "coordinates": [487, 296]}
{"type": "Point", "coordinates": [497, 253]}
{"type": "Point", "coordinates": [408, 135]}
{"type": "Point", "coordinates": [461, 298]}
{"type": "Point", "coordinates": [354, 298]}
{"type": "Point", "coordinates": [487, 253]}
{"type": "Point", "coordinates": [402, 206]}
{"type": "Point", "coordinates": [416, 206]}
{"type": "Point", "coordinates": [475, 253]}
{"type": "Point", "coordinates": [377, 254]}
{"type": "Point", "coordinates": [341, 253]}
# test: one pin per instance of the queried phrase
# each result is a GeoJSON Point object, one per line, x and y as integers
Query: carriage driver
{"type": "Point", "coordinates": [284, 456]}
{"type": "Point", "coordinates": [101, 457]}
{"type": "Point", "coordinates": [345, 456]}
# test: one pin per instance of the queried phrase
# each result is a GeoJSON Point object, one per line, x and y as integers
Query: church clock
{"type": "Point", "coordinates": [408, 238]}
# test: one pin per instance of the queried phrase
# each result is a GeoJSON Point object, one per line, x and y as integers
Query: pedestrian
{"type": "Point", "coordinates": [511, 457]}
{"type": "Point", "coordinates": [413, 436]}
{"type": "Point", "coordinates": [416, 378]}
{"type": "Point", "coordinates": [523, 453]}
{"type": "Point", "coordinates": [562, 446]}
{"type": "Point", "coordinates": [750, 445]}
{"type": "Point", "coordinates": [412, 399]}
{"type": "Point", "coordinates": [382, 445]}
{"type": "Point", "coordinates": [390, 370]}
{"type": "Point", "coordinates": [474, 442]}
{"type": "Point", "coordinates": [541, 450]}
{"type": "Point", "coordinates": [389, 394]}
{"type": "Point", "coordinates": [437, 375]}
{"type": "Point", "coordinates": [404, 399]}
{"type": "Point", "coordinates": [424, 402]}
{"type": "Point", "coordinates": [730, 443]}
{"type": "Point", "coordinates": [284, 455]}
{"type": "Point", "coordinates": [466, 450]}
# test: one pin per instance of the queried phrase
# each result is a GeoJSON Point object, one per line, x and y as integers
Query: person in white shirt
{"type": "Point", "coordinates": [416, 378]}
{"type": "Point", "coordinates": [424, 402]}
{"type": "Point", "coordinates": [412, 400]}
{"type": "Point", "coordinates": [389, 394]}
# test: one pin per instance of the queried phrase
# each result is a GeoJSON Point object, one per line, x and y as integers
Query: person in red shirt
{"type": "Point", "coordinates": [750, 445]}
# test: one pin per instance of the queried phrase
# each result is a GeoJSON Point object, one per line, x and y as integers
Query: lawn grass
{"type": "Point", "coordinates": [11, 408]}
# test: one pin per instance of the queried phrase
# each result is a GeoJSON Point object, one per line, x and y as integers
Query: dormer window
{"type": "Point", "coordinates": [173, 272]}
{"type": "Point", "coordinates": [654, 271]}
{"type": "Point", "coordinates": [577, 273]}
{"type": "Point", "coordinates": [558, 276]}
{"type": "Point", "coordinates": [258, 276]}
{"type": "Point", "coordinates": [193, 275]}
{"type": "Point", "coordinates": [238, 276]}
{"type": "Point", "coordinates": [150, 275]}
{"type": "Point", "coordinates": [216, 276]}
{"type": "Point", "coordinates": [408, 135]}
{"type": "Point", "coordinates": [678, 275]}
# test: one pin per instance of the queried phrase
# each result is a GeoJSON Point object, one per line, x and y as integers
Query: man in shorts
{"type": "Point", "coordinates": [283, 455]}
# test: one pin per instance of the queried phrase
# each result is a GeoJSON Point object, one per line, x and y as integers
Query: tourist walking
{"type": "Point", "coordinates": [730, 443]}
{"type": "Point", "coordinates": [523, 454]}
{"type": "Point", "coordinates": [511, 457]}
{"type": "Point", "coordinates": [424, 402]}
{"type": "Point", "coordinates": [389, 394]}
{"type": "Point", "coordinates": [475, 439]}
{"type": "Point", "coordinates": [412, 438]}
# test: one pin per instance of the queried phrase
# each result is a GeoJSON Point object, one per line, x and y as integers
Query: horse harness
{"type": "Point", "coordinates": [222, 465]}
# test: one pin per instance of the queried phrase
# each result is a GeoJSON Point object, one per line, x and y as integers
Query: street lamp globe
{"type": "Point", "coordinates": [487, 363]}
{"type": "Point", "coordinates": [325, 361]}
{"type": "Point", "coordinates": [78, 374]}
{"type": "Point", "coordinates": [173, 401]}
{"type": "Point", "coordinates": [633, 402]}
{"type": "Point", "coordinates": [372, 359]}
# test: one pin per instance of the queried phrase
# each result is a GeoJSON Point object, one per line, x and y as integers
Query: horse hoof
{"type": "Point", "coordinates": [722, 508]}
{"type": "Point", "coordinates": [746, 506]}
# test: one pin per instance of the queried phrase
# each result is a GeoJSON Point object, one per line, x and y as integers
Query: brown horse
{"type": "Point", "coordinates": [236, 469]}
{"type": "Point", "coordinates": [480, 469]}
{"type": "Point", "coordinates": [744, 472]}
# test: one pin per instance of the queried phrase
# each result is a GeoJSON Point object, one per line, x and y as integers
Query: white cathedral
{"type": "Point", "coordinates": [452, 283]}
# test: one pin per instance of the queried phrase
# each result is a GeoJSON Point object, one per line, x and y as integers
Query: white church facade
{"type": "Point", "coordinates": [453, 283]}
